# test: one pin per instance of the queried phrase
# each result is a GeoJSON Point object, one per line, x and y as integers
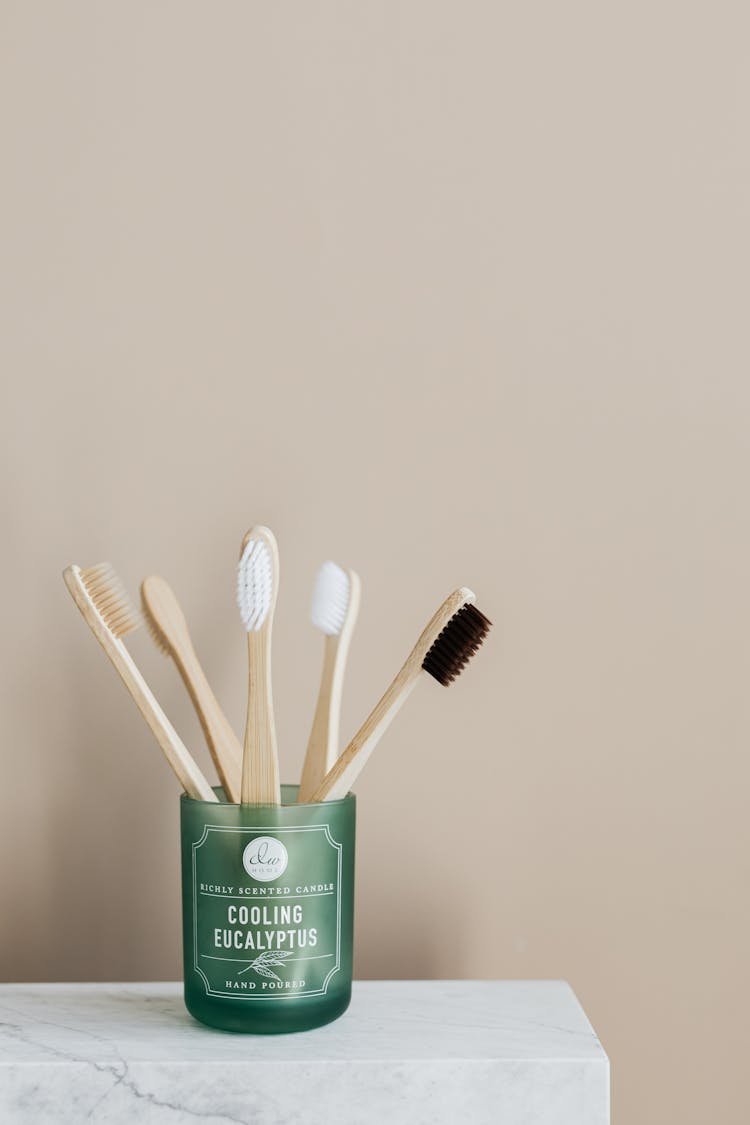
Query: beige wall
{"type": "Point", "coordinates": [451, 293]}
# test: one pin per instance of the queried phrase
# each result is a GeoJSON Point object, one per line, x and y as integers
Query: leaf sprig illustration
{"type": "Point", "coordinates": [263, 962]}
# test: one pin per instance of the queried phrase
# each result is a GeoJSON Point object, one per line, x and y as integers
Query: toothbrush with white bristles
{"type": "Point", "coordinates": [335, 605]}
{"type": "Point", "coordinates": [257, 588]}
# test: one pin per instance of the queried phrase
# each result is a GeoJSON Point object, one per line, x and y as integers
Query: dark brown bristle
{"type": "Point", "coordinates": [456, 644]}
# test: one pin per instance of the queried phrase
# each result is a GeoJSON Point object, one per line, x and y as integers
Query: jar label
{"type": "Point", "coordinates": [266, 910]}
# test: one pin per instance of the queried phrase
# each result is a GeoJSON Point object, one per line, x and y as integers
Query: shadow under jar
{"type": "Point", "coordinates": [267, 912]}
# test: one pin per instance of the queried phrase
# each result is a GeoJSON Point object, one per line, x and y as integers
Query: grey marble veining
{"type": "Point", "coordinates": [406, 1053]}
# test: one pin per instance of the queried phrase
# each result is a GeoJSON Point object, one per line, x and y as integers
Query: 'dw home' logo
{"type": "Point", "coordinates": [265, 858]}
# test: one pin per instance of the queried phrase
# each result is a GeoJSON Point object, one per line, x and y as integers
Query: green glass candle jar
{"type": "Point", "coordinates": [267, 912]}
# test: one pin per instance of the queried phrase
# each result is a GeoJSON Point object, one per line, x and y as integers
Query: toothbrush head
{"type": "Point", "coordinates": [255, 579]}
{"type": "Point", "coordinates": [455, 645]}
{"type": "Point", "coordinates": [330, 600]}
{"type": "Point", "coordinates": [161, 612]}
{"type": "Point", "coordinates": [108, 596]}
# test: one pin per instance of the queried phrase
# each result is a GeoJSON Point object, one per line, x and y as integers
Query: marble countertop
{"type": "Point", "coordinates": [408, 1052]}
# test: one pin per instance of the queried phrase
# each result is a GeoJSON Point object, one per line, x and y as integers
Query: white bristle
{"type": "Point", "coordinates": [254, 584]}
{"type": "Point", "coordinates": [330, 599]}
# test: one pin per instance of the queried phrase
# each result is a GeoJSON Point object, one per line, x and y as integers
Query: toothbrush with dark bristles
{"type": "Point", "coordinates": [447, 644]}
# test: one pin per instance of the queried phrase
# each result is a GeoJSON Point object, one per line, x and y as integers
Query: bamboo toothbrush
{"type": "Point", "coordinates": [168, 627]}
{"type": "Point", "coordinates": [335, 606]}
{"type": "Point", "coordinates": [109, 614]}
{"type": "Point", "coordinates": [445, 647]}
{"type": "Point", "coordinates": [257, 587]}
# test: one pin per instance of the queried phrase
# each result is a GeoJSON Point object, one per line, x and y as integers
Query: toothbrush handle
{"type": "Point", "coordinates": [222, 742]}
{"type": "Point", "coordinates": [260, 761]}
{"type": "Point", "coordinates": [323, 744]}
{"type": "Point", "coordinates": [173, 748]}
{"type": "Point", "coordinates": [339, 780]}
{"type": "Point", "coordinates": [181, 761]}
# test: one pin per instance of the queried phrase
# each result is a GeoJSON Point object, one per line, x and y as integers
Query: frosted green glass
{"type": "Point", "coordinates": [267, 912]}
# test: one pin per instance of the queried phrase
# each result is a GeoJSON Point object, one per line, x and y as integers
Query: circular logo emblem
{"type": "Point", "coordinates": [265, 858]}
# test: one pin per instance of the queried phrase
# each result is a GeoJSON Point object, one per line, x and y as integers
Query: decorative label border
{"type": "Point", "coordinates": [264, 828]}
